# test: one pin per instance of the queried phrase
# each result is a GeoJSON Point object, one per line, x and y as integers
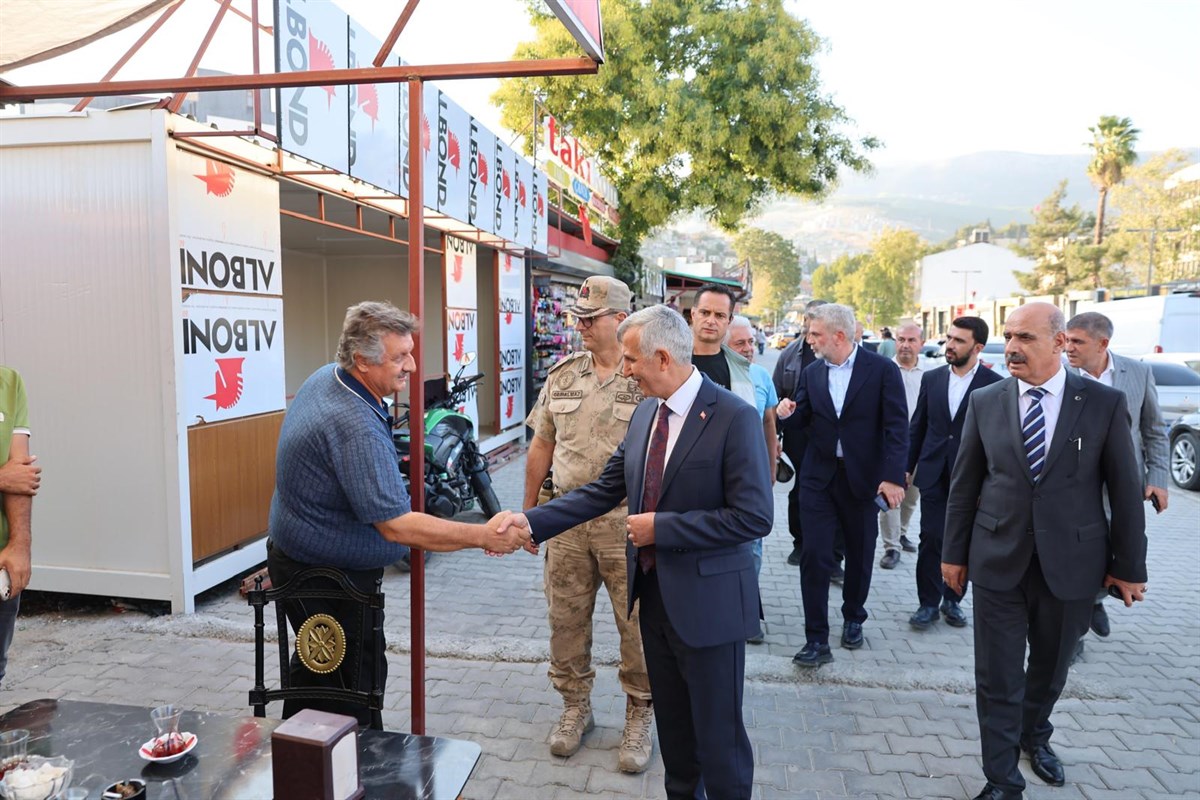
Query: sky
{"type": "Point", "coordinates": [932, 79]}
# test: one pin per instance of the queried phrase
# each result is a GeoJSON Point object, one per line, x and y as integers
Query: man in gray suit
{"type": "Point", "coordinates": [1088, 335]}
{"type": "Point", "coordinates": [1025, 522]}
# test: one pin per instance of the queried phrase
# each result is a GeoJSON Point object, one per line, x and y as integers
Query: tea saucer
{"type": "Point", "coordinates": [146, 750]}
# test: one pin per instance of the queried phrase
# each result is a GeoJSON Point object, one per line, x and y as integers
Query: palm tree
{"type": "Point", "coordinates": [1113, 141]}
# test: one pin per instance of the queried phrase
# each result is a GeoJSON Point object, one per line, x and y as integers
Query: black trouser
{"type": "Point", "coordinates": [931, 589]}
{"type": "Point", "coordinates": [835, 509]}
{"type": "Point", "coordinates": [1014, 701]}
{"type": "Point", "coordinates": [795, 526]}
{"type": "Point", "coordinates": [354, 672]}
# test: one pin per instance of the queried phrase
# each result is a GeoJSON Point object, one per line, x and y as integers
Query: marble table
{"type": "Point", "coordinates": [232, 759]}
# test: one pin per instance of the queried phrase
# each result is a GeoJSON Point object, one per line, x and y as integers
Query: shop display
{"type": "Point", "coordinates": [554, 337]}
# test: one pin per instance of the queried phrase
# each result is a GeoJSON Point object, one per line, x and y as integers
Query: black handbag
{"type": "Point", "coordinates": [783, 470]}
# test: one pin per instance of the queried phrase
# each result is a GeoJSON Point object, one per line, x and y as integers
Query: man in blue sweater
{"type": "Point", "coordinates": [339, 498]}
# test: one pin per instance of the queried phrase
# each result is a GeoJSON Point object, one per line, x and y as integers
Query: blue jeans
{"type": "Point", "coordinates": [756, 548]}
{"type": "Point", "coordinates": [8, 624]}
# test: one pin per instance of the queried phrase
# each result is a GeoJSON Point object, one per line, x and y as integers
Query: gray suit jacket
{"type": "Point", "coordinates": [997, 518]}
{"type": "Point", "coordinates": [1135, 379]}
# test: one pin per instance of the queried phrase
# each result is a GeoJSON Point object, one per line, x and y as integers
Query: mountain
{"type": "Point", "coordinates": [934, 198]}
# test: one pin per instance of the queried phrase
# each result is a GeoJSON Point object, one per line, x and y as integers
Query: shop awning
{"type": "Point", "coordinates": [35, 30]}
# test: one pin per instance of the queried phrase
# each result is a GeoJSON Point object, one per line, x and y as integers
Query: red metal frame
{"type": "Point", "coordinates": [177, 100]}
{"type": "Point", "coordinates": [123, 60]}
{"type": "Point", "coordinates": [390, 41]}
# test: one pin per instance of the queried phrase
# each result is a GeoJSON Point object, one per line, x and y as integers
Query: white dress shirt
{"type": "Point", "coordinates": [957, 389]}
{"type": "Point", "coordinates": [1105, 377]}
{"type": "Point", "coordinates": [839, 383]}
{"type": "Point", "coordinates": [912, 384]}
{"type": "Point", "coordinates": [1051, 401]}
{"type": "Point", "coordinates": [680, 404]}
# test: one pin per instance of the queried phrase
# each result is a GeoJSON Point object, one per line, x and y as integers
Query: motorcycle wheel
{"type": "Point", "coordinates": [481, 482]}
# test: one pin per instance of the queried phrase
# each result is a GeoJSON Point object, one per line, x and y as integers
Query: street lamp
{"type": "Point", "coordinates": [966, 273]}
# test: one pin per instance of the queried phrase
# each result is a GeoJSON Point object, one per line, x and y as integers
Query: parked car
{"type": "Point", "coordinates": [1160, 324]}
{"type": "Point", "coordinates": [782, 339]}
{"type": "Point", "coordinates": [1184, 437]}
{"type": "Point", "coordinates": [992, 356]}
{"type": "Point", "coordinates": [1189, 360]}
{"type": "Point", "coordinates": [1178, 389]}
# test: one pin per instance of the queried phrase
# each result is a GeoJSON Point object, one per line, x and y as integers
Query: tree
{"type": "Point", "coordinates": [832, 281]}
{"type": "Point", "coordinates": [882, 289]}
{"type": "Point", "coordinates": [1052, 229]}
{"type": "Point", "coordinates": [1113, 142]}
{"type": "Point", "coordinates": [702, 104]}
{"type": "Point", "coordinates": [775, 265]}
{"type": "Point", "coordinates": [1149, 211]}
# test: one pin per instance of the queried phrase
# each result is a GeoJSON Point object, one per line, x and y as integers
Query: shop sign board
{"type": "Point", "coordinates": [462, 315]}
{"type": "Point", "coordinates": [540, 232]}
{"type": "Point", "coordinates": [512, 398]}
{"type": "Point", "coordinates": [461, 274]}
{"type": "Point", "coordinates": [511, 336]}
{"type": "Point", "coordinates": [481, 206]}
{"type": "Point", "coordinates": [505, 197]}
{"type": "Point", "coordinates": [570, 166]}
{"type": "Point", "coordinates": [228, 224]}
{"type": "Point", "coordinates": [313, 120]}
{"type": "Point", "coordinates": [430, 95]}
{"type": "Point", "coordinates": [452, 178]}
{"type": "Point", "coordinates": [523, 202]}
{"type": "Point", "coordinates": [374, 118]}
{"type": "Point", "coordinates": [232, 356]}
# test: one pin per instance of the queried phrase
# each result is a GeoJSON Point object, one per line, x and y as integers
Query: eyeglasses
{"type": "Point", "coordinates": [587, 322]}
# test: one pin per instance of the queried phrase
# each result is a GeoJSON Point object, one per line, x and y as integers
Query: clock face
{"type": "Point", "coordinates": [321, 644]}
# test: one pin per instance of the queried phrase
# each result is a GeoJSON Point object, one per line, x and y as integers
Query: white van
{"type": "Point", "coordinates": [1168, 323]}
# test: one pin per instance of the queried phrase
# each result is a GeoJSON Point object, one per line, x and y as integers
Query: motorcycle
{"type": "Point", "coordinates": [456, 473]}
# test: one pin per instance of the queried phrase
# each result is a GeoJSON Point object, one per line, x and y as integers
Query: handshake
{"type": "Point", "coordinates": [506, 533]}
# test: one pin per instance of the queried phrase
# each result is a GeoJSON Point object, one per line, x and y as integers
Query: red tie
{"type": "Point", "coordinates": [656, 462]}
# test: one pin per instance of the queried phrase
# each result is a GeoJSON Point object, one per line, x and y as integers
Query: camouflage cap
{"type": "Point", "coordinates": [600, 294]}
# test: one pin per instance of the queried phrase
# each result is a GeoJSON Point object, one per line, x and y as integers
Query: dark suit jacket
{"type": "Point", "coordinates": [996, 515]}
{"type": "Point", "coordinates": [786, 377]}
{"type": "Point", "coordinates": [716, 499]}
{"type": "Point", "coordinates": [933, 436]}
{"type": "Point", "coordinates": [873, 427]}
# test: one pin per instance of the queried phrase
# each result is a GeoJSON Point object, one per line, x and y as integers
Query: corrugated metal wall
{"type": "Point", "coordinates": [82, 299]}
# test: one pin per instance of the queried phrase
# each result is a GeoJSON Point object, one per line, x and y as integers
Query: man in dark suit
{"type": "Point", "coordinates": [852, 403]}
{"type": "Point", "coordinates": [933, 438]}
{"type": "Point", "coordinates": [786, 377]}
{"type": "Point", "coordinates": [1025, 521]}
{"type": "Point", "coordinates": [693, 466]}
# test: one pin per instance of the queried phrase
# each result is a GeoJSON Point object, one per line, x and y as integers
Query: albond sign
{"type": "Point", "coordinates": [462, 315]}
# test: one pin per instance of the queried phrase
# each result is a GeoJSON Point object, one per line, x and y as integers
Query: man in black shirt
{"type": "Point", "coordinates": [712, 312]}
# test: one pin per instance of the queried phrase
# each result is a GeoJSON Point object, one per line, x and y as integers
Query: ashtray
{"type": "Point", "coordinates": [131, 789]}
{"type": "Point", "coordinates": [37, 778]}
{"type": "Point", "coordinates": [146, 751]}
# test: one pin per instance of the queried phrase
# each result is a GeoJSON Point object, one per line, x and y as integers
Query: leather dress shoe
{"type": "Point", "coordinates": [1100, 625]}
{"type": "Point", "coordinates": [838, 575]}
{"type": "Point", "coordinates": [813, 655]}
{"type": "Point", "coordinates": [991, 792]}
{"type": "Point", "coordinates": [954, 615]}
{"type": "Point", "coordinates": [890, 559]}
{"type": "Point", "coordinates": [794, 557]}
{"type": "Point", "coordinates": [1045, 764]}
{"type": "Point", "coordinates": [924, 618]}
{"type": "Point", "coordinates": [907, 545]}
{"type": "Point", "coordinates": [852, 637]}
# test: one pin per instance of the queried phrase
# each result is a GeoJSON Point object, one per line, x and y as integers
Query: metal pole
{"type": "Point", "coordinates": [416, 396]}
{"type": "Point", "coordinates": [1150, 271]}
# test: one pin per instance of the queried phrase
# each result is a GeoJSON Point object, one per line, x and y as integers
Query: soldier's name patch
{"type": "Point", "coordinates": [573, 394]}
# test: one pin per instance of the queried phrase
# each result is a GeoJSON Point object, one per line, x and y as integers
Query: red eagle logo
{"type": "Point", "coordinates": [459, 348]}
{"type": "Point", "coordinates": [319, 58]}
{"type": "Point", "coordinates": [508, 318]}
{"type": "Point", "coordinates": [508, 406]}
{"type": "Point", "coordinates": [456, 272]}
{"type": "Point", "coordinates": [521, 193]}
{"type": "Point", "coordinates": [368, 101]}
{"type": "Point", "coordinates": [453, 155]}
{"type": "Point", "coordinates": [505, 183]}
{"type": "Point", "coordinates": [483, 169]}
{"type": "Point", "coordinates": [228, 380]}
{"type": "Point", "coordinates": [541, 206]}
{"type": "Point", "coordinates": [218, 178]}
{"type": "Point", "coordinates": [507, 262]}
{"type": "Point", "coordinates": [425, 138]}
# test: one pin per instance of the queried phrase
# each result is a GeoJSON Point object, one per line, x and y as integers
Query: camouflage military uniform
{"type": "Point", "coordinates": [586, 420]}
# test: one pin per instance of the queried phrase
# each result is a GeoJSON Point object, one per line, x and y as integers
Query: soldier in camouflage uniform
{"type": "Point", "coordinates": [580, 418]}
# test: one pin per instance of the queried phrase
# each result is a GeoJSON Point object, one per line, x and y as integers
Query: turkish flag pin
{"type": "Point", "coordinates": [703, 415]}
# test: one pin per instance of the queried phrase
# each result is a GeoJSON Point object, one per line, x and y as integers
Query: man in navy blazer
{"type": "Point", "coordinates": [933, 438]}
{"type": "Point", "coordinates": [689, 559]}
{"type": "Point", "coordinates": [852, 402]}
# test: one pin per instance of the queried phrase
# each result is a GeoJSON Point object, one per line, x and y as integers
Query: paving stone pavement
{"type": "Point", "coordinates": [895, 719]}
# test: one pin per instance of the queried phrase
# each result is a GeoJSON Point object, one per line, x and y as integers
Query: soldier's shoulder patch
{"type": "Point", "coordinates": [571, 359]}
{"type": "Point", "coordinates": [632, 398]}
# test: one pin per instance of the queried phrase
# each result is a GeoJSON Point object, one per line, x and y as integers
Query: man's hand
{"type": "Point", "coordinates": [1130, 592]}
{"type": "Point", "coordinates": [508, 532]}
{"type": "Point", "coordinates": [15, 558]}
{"type": "Point", "coordinates": [955, 576]}
{"type": "Point", "coordinates": [640, 528]}
{"type": "Point", "coordinates": [1161, 494]}
{"type": "Point", "coordinates": [893, 493]}
{"type": "Point", "coordinates": [20, 476]}
{"type": "Point", "coordinates": [907, 480]}
{"type": "Point", "coordinates": [786, 408]}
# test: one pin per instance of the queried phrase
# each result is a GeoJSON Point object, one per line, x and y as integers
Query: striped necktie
{"type": "Point", "coordinates": [1033, 431]}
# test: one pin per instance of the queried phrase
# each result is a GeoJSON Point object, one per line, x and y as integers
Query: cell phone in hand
{"type": "Point", "coordinates": [1154, 502]}
{"type": "Point", "coordinates": [882, 502]}
{"type": "Point", "coordinates": [1115, 591]}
